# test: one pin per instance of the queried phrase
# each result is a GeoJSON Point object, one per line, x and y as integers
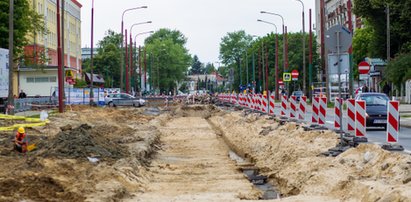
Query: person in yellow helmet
{"type": "Point", "coordinates": [21, 141]}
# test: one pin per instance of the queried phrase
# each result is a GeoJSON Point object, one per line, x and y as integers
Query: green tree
{"type": "Point", "coordinates": [232, 48]}
{"type": "Point", "coordinates": [400, 13]}
{"type": "Point", "coordinates": [398, 70]}
{"type": "Point", "coordinates": [170, 59]}
{"type": "Point", "coordinates": [209, 68]}
{"type": "Point", "coordinates": [197, 66]}
{"type": "Point", "coordinates": [27, 22]}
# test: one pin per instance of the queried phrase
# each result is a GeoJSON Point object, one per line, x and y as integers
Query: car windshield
{"type": "Point", "coordinates": [297, 93]}
{"type": "Point", "coordinates": [375, 99]}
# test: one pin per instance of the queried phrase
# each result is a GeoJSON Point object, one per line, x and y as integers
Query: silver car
{"type": "Point", "coordinates": [123, 99]}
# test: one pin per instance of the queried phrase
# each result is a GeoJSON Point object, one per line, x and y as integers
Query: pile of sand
{"type": "Point", "coordinates": [290, 157]}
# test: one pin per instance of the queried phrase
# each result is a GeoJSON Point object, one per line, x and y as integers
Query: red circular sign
{"type": "Point", "coordinates": [363, 67]}
{"type": "Point", "coordinates": [294, 74]}
{"type": "Point", "coordinates": [280, 82]}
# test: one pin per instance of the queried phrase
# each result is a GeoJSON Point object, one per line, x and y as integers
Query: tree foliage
{"type": "Point", "coordinates": [398, 70]}
{"type": "Point", "coordinates": [374, 12]}
{"type": "Point", "coordinates": [257, 51]}
{"type": "Point", "coordinates": [233, 46]}
{"type": "Point", "coordinates": [196, 66]}
{"type": "Point", "coordinates": [27, 22]}
{"type": "Point", "coordinates": [169, 57]}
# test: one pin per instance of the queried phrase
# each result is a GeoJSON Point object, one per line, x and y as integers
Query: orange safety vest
{"type": "Point", "coordinates": [20, 137]}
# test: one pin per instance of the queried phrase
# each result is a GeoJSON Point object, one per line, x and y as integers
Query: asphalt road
{"type": "Point", "coordinates": [374, 135]}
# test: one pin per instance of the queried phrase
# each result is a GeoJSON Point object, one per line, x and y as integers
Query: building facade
{"type": "Point", "coordinates": [42, 49]}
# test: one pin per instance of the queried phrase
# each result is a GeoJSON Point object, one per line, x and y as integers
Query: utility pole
{"type": "Point", "coordinates": [91, 58]}
{"type": "Point", "coordinates": [10, 101]}
{"type": "Point", "coordinates": [62, 49]}
{"type": "Point", "coordinates": [388, 34]}
{"type": "Point", "coordinates": [310, 58]}
{"type": "Point", "coordinates": [59, 62]}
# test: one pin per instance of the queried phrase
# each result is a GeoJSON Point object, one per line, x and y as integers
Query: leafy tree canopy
{"type": "Point", "coordinates": [27, 22]}
{"type": "Point", "coordinates": [164, 34]}
{"type": "Point", "coordinates": [233, 46]}
{"type": "Point", "coordinates": [197, 66]}
{"type": "Point", "coordinates": [398, 70]}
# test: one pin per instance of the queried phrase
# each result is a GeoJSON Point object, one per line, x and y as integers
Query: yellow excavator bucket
{"type": "Point", "coordinates": [31, 147]}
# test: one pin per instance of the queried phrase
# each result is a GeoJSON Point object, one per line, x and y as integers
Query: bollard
{"type": "Point", "coordinates": [393, 121]}
{"type": "Point", "coordinates": [272, 105]}
{"type": "Point", "coordinates": [360, 119]}
{"type": "Point", "coordinates": [303, 108]}
{"type": "Point", "coordinates": [351, 115]}
{"type": "Point", "coordinates": [264, 103]}
{"type": "Point", "coordinates": [337, 110]}
{"type": "Point", "coordinates": [315, 107]}
{"type": "Point", "coordinates": [293, 106]}
{"type": "Point", "coordinates": [284, 104]}
{"type": "Point", "coordinates": [322, 110]}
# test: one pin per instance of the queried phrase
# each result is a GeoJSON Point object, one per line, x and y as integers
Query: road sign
{"type": "Point", "coordinates": [363, 67]}
{"type": "Point", "coordinates": [286, 77]}
{"type": "Point", "coordinates": [294, 75]}
{"type": "Point", "coordinates": [280, 82]}
{"type": "Point", "coordinates": [331, 38]}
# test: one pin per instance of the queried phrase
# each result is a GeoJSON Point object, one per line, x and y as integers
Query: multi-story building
{"type": "Point", "coordinates": [40, 81]}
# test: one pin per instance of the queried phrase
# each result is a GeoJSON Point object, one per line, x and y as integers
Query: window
{"type": "Point", "coordinates": [53, 79]}
{"type": "Point", "coordinates": [30, 80]}
{"type": "Point", "coordinates": [41, 79]}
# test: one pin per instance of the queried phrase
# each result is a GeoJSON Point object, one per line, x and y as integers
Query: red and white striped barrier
{"type": "Point", "coordinates": [271, 105]}
{"type": "Point", "coordinates": [337, 110]}
{"type": "Point", "coordinates": [393, 122]}
{"type": "Point", "coordinates": [351, 115]}
{"type": "Point", "coordinates": [315, 107]}
{"type": "Point", "coordinates": [258, 102]}
{"type": "Point", "coordinates": [322, 110]}
{"type": "Point", "coordinates": [284, 104]}
{"type": "Point", "coordinates": [264, 103]}
{"type": "Point", "coordinates": [303, 108]}
{"type": "Point", "coordinates": [293, 106]}
{"type": "Point", "coordinates": [360, 119]}
{"type": "Point", "coordinates": [253, 101]}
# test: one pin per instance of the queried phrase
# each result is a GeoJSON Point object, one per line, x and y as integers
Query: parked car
{"type": "Point", "coordinates": [376, 108]}
{"type": "Point", "coordinates": [298, 94]}
{"type": "Point", "coordinates": [123, 99]}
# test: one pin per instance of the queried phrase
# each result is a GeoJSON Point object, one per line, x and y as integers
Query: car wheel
{"type": "Point", "coordinates": [111, 104]}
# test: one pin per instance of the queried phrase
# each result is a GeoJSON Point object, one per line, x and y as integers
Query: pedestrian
{"type": "Point", "coordinates": [365, 89]}
{"type": "Point", "coordinates": [22, 94]}
{"type": "Point", "coordinates": [386, 89]}
{"type": "Point", "coordinates": [21, 141]}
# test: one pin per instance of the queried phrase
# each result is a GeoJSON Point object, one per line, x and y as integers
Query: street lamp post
{"type": "Point", "coordinates": [304, 69]}
{"type": "Point", "coordinates": [276, 55]}
{"type": "Point", "coordinates": [91, 55]}
{"type": "Point", "coordinates": [139, 54]}
{"type": "Point", "coordinates": [284, 41]}
{"type": "Point", "coordinates": [122, 41]}
{"type": "Point", "coordinates": [130, 63]}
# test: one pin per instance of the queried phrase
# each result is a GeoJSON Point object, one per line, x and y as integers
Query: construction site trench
{"type": "Point", "coordinates": [197, 152]}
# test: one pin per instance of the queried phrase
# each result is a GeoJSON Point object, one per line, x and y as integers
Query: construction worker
{"type": "Point", "coordinates": [21, 141]}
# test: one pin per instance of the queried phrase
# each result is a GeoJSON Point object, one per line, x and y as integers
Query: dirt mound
{"type": "Point", "coordinates": [82, 142]}
{"type": "Point", "coordinates": [37, 188]}
{"type": "Point", "coordinates": [204, 111]}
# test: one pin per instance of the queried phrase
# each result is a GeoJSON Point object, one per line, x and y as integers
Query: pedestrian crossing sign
{"type": "Point", "coordinates": [287, 77]}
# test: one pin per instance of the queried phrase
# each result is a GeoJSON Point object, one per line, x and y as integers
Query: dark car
{"type": "Point", "coordinates": [298, 95]}
{"type": "Point", "coordinates": [376, 108]}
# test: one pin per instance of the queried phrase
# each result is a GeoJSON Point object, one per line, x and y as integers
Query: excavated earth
{"type": "Point", "coordinates": [183, 154]}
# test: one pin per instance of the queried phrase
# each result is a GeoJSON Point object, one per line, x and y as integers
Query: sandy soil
{"type": "Point", "coordinates": [182, 155]}
{"type": "Point", "coordinates": [194, 165]}
{"type": "Point", "coordinates": [122, 140]}
{"type": "Point", "coordinates": [289, 156]}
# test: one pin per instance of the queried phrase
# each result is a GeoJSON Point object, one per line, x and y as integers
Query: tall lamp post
{"type": "Point", "coordinates": [130, 64]}
{"type": "Point", "coordinates": [122, 41]}
{"type": "Point", "coordinates": [284, 41]}
{"type": "Point", "coordinates": [91, 55]}
{"type": "Point", "coordinates": [276, 55]}
{"type": "Point", "coordinates": [304, 69]}
{"type": "Point", "coordinates": [139, 55]}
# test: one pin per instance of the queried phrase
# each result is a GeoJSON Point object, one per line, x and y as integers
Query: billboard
{"type": "Point", "coordinates": [4, 72]}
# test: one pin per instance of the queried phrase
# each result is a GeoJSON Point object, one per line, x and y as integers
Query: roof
{"type": "Point", "coordinates": [97, 78]}
{"type": "Point", "coordinates": [77, 3]}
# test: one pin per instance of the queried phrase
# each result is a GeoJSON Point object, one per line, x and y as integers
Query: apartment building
{"type": "Point", "coordinates": [39, 81]}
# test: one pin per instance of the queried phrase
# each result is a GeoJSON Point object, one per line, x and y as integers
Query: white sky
{"type": "Point", "coordinates": [203, 22]}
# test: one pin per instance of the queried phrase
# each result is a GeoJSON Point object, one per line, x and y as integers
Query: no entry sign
{"type": "Point", "coordinates": [294, 75]}
{"type": "Point", "coordinates": [280, 82]}
{"type": "Point", "coordinates": [363, 67]}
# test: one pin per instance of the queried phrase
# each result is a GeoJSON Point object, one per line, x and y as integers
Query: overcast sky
{"type": "Point", "coordinates": [203, 22]}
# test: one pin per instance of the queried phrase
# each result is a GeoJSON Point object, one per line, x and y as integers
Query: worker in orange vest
{"type": "Point", "coordinates": [21, 141]}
